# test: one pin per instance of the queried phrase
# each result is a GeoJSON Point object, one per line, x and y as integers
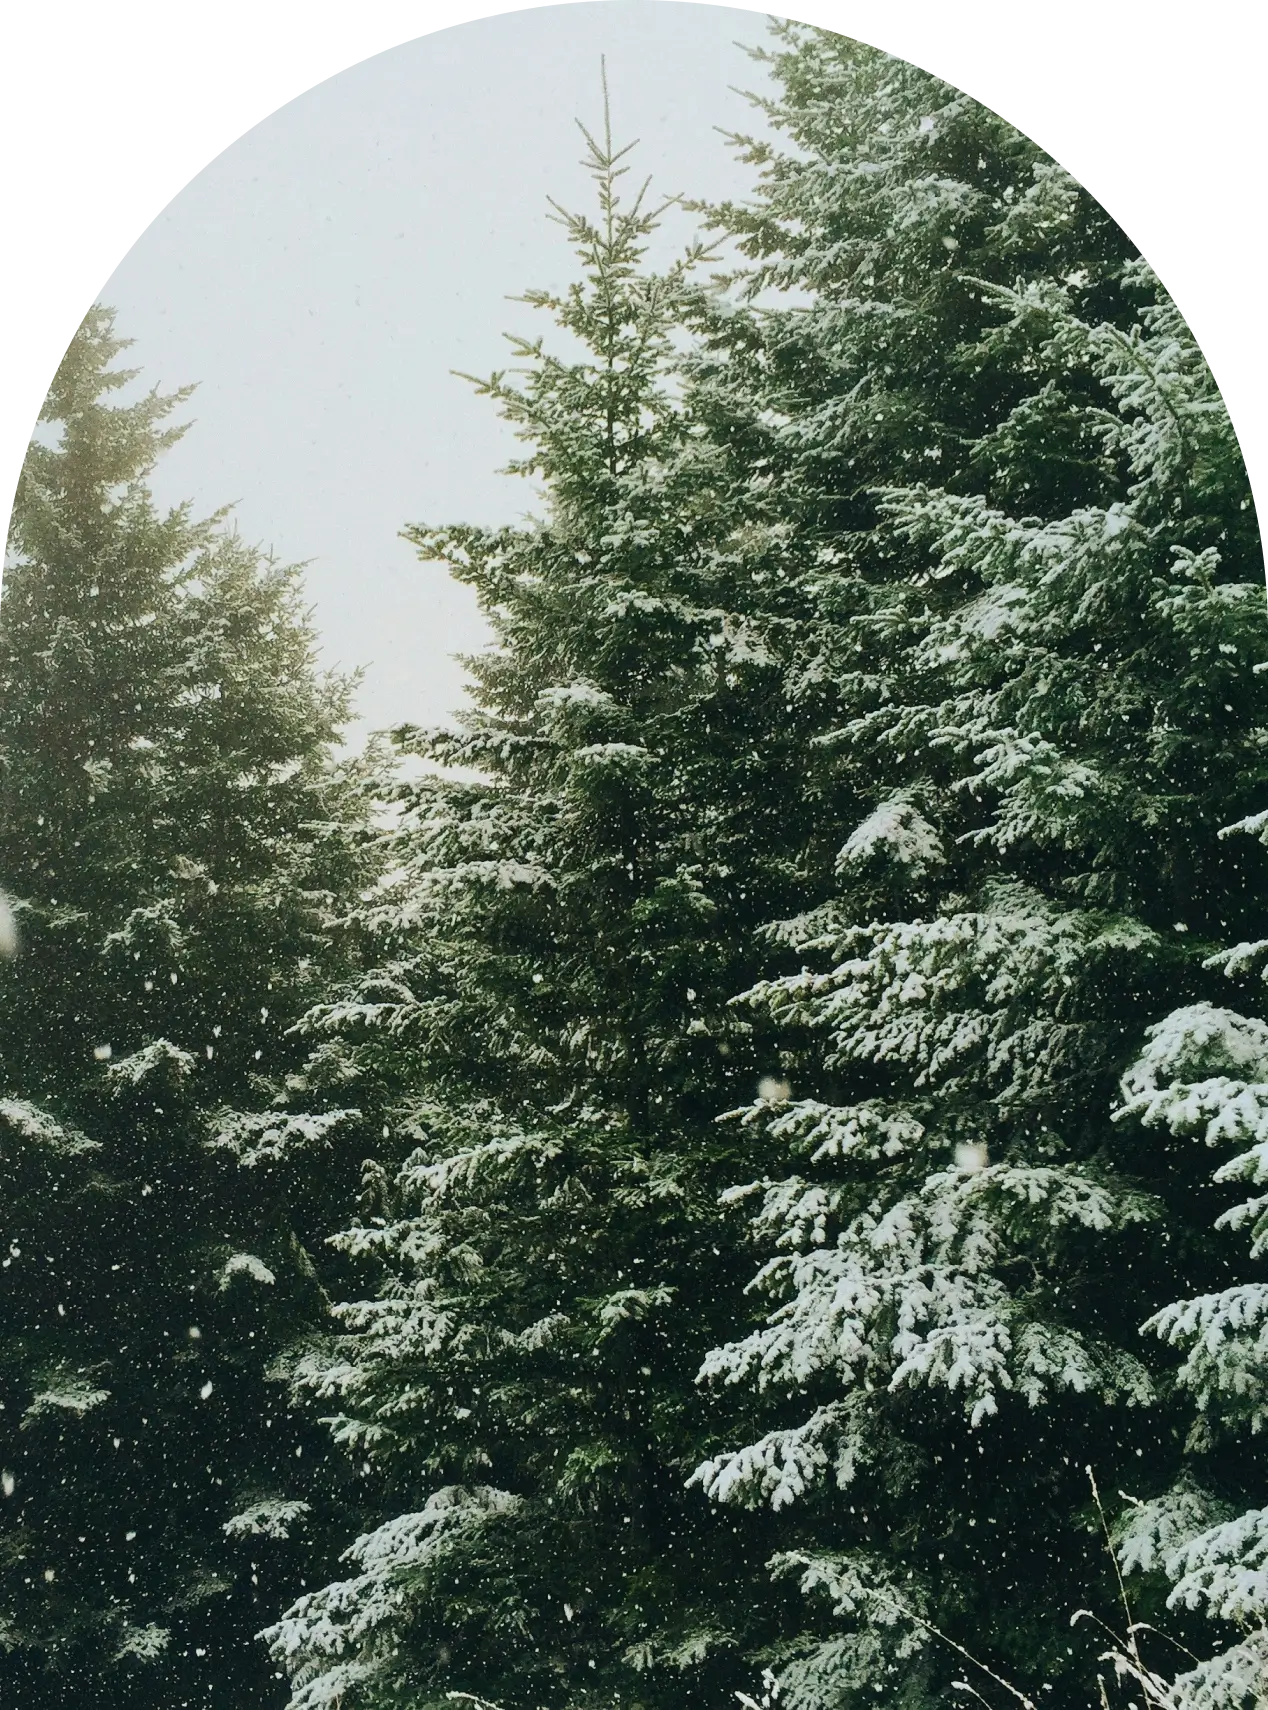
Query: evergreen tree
{"type": "Point", "coordinates": [174, 832]}
{"type": "Point", "coordinates": [1203, 1075]}
{"type": "Point", "coordinates": [569, 907]}
{"type": "Point", "coordinates": [1027, 656]}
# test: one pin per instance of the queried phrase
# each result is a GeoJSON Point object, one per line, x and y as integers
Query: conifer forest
{"type": "Point", "coordinates": [730, 1175]}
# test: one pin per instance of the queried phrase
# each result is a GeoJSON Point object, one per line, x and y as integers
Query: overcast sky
{"type": "Point", "coordinates": [323, 276]}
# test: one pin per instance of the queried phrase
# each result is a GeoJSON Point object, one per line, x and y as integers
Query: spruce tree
{"type": "Point", "coordinates": [1198, 1540]}
{"type": "Point", "coordinates": [568, 909]}
{"type": "Point", "coordinates": [174, 833]}
{"type": "Point", "coordinates": [1028, 657]}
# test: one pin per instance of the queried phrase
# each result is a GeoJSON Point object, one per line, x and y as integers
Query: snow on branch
{"type": "Point", "coordinates": [1225, 1570]}
{"type": "Point", "coordinates": [31, 1123]}
{"type": "Point", "coordinates": [1226, 1335]}
{"type": "Point", "coordinates": [245, 1265]}
{"type": "Point", "coordinates": [71, 1394]}
{"type": "Point", "coordinates": [783, 1465]}
{"type": "Point", "coordinates": [1149, 1534]}
{"type": "Point", "coordinates": [897, 832]}
{"type": "Point", "coordinates": [331, 1639]}
{"type": "Point", "coordinates": [269, 1517]}
{"type": "Point", "coordinates": [258, 1139]}
{"type": "Point", "coordinates": [160, 1057]}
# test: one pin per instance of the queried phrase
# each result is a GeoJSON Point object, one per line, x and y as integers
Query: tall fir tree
{"type": "Point", "coordinates": [569, 909]}
{"type": "Point", "coordinates": [174, 831]}
{"type": "Point", "coordinates": [1029, 657]}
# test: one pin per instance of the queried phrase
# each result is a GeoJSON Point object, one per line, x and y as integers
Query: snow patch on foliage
{"type": "Point", "coordinates": [895, 831]}
{"type": "Point", "coordinates": [313, 1639]}
{"type": "Point", "coordinates": [160, 1056]}
{"type": "Point", "coordinates": [51, 1136]}
{"type": "Point", "coordinates": [143, 1644]}
{"type": "Point", "coordinates": [258, 1139]}
{"type": "Point", "coordinates": [1149, 1534]}
{"type": "Point", "coordinates": [71, 1395]}
{"type": "Point", "coordinates": [245, 1265]}
{"type": "Point", "coordinates": [270, 1517]}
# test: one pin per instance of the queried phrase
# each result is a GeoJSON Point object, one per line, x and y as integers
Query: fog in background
{"type": "Point", "coordinates": [322, 277]}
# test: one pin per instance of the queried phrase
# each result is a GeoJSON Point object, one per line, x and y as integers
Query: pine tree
{"type": "Point", "coordinates": [174, 833]}
{"type": "Point", "coordinates": [569, 908]}
{"type": "Point", "coordinates": [1018, 518]}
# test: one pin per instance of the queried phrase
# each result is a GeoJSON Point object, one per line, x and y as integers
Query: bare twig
{"type": "Point", "coordinates": [954, 1644]}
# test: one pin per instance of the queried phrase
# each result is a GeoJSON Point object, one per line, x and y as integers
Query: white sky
{"type": "Point", "coordinates": [322, 277]}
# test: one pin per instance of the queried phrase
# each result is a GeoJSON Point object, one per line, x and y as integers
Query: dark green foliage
{"type": "Point", "coordinates": [560, 937]}
{"type": "Point", "coordinates": [174, 834]}
{"type": "Point", "coordinates": [843, 799]}
{"type": "Point", "coordinates": [947, 490]}
{"type": "Point", "coordinates": [1032, 656]}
